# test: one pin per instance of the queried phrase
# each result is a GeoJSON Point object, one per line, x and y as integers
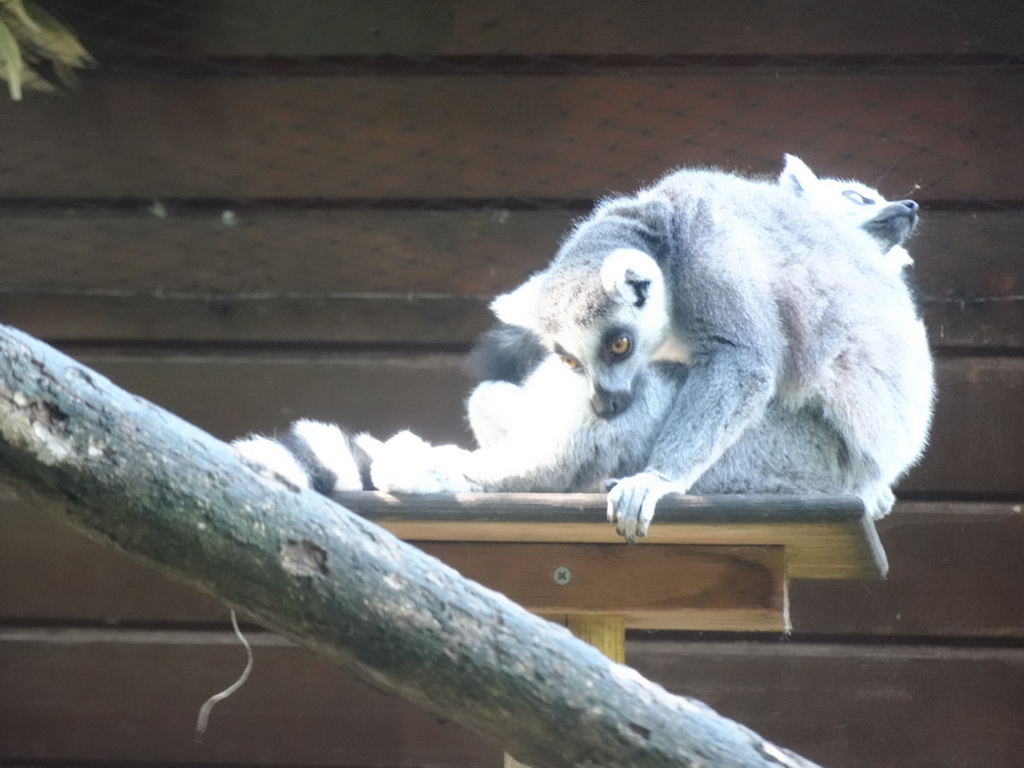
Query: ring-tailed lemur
{"type": "Point", "coordinates": [889, 223]}
{"type": "Point", "coordinates": [808, 366]}
{"type": "Point", "coordinates": [508, 353]}
{"type": "Point", "coordinates": [847, 385]}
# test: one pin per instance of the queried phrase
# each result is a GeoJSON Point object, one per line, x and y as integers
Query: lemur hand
{"type": "Point", "coordinates": [631, 502]}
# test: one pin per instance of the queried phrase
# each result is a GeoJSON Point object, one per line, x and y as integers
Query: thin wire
{"type": "Point", "coordinates": [204, 711]}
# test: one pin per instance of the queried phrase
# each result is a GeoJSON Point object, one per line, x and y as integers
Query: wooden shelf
{"type": "Point", "coordinates": [711, 563]}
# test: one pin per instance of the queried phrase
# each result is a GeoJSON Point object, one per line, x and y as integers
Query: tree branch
{"type": "Point", "coordinates": [181, 501]}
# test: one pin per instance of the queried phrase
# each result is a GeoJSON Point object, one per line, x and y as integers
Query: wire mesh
{"type": "Point", "coordinates": [249, 147]}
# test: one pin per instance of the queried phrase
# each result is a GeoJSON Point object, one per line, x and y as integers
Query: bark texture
{"type": "Point", "coordinates": [160, 489]}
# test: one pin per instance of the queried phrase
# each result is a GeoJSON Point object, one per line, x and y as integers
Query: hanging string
{"type": "Point", "coordinates": [204, 711]}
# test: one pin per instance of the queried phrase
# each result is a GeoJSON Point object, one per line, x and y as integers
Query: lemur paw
{"type": "Point", "coordinates": [880, 503]}
{"type": "Point", "coordinates": [631, 502]}
{"type": "Point", "coordinates": [407, 464]}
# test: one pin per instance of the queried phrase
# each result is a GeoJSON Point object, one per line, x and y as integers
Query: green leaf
{"type": "Point", "coordinates": [17, 9]}
{"type": "Point", "coordinates": [11, 64]}
{"type": "Point", "coordinates": [54, 40]}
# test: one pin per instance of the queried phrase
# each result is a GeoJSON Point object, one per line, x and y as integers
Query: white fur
{"type": "Point", "coordinates": [492, 408]}
{"type": "Point", "coordinates": [368, 443]}
{"type": "Point", "coordinates": [269, 454]}
{"type": "Point", "coordinates": [829, 196]}
{"type": "Point", "coordinates": [331, 448]}
{"type": "Point", "coordinates": [552, 402]}
{"type": "Point", "coordinates": [519, 307]}
{"type": "Point", "coordinates": [651, 488]}
{"type": "Point", "coordinates": [408, 464]}
{"type": "Point", "coordinates": [326, 441]}
{"type": "Point", "coordinates": [624, 265]}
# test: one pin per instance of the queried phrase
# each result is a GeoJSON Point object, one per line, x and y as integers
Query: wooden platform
{"type": "Point", "coordinates": [709, 563]}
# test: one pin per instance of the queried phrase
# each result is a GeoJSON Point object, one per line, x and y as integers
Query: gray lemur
{"type": "Point", "coordinates": [808, 367]}
{"type": "Point", "coordinates": [509, 353]}
{"type": "Point", "coordinates": [889, 223]}
{"type": "Point", "coordinates": [794, 357]}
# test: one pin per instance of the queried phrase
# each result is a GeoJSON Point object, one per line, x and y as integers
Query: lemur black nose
{"type": "Point", "coordinates": [607, 404]}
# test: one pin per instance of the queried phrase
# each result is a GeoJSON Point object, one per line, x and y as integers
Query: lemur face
{"type": "Point", "coordinates": [889, 223]}
{"type": "Point", "coordinates": [608, 356]}
{"type": "Point", "coordinates": [604, 324]}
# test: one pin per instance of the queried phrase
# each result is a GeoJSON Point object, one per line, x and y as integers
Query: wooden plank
{"type": "Point", "coordinates": [955, 572]}
{"type": "Point", "coordinates": [970, 324]}
{"type": "Point", "coordinates": [977, 440]}
{"type": "Point", "coordinates": [278, 252]}
{"type": "Point", "coordinates": [54, 574]}
{"type": "Point", "coordinates": [573, 27]}
{"type": "Point", "coordinates": [976, 447]}
{"type": "Point", "coordinates": [825, 537]}
{"type": "Point", "coordinates": [107, 696]}
{"type": "Point", "coordinates": [378, 276]}
{"type": "Point", "coordinates": [576, 137]}
{"type": "Point", "coordinates": [850, 707]}
{"type": "Point", "coordinates": [232, 396]}
{"type": "Point", "coordinates": [977, 443]}
{"type": "Point", "coordinates": [134, 697]}
{"type": "Point", "coordinates": [653, 587]}
{"type": "Point", "coordinates": [296, 319]}
{"type": "Point", "coordinates": [968, 273]}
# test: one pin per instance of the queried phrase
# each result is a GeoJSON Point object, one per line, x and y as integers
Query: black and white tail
{"type": "Point", "coordinates": [315, 455]}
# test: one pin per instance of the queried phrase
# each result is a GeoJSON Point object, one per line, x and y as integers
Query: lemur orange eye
{"type": "Point", "coordinates": [569, 362]}
{"type": "Point", "coordinates": [619, 346]}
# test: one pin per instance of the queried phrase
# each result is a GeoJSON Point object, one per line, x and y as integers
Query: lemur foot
{"type": "Point", "coordinates": [881, 503]}
{"type": "Point", "coordinates": [407, 464]}
{"type": "Point", "coordinates": [631, 502]}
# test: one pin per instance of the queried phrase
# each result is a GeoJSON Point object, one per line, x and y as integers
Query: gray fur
{"type": "Point", "coordinates": [506, 353]}
{"type": "Point", "coordinates": [808, 365]}
{"type": "Point", "coordinates": [712, 333]}
{"type": "Point", "coordinates": [889, 223]}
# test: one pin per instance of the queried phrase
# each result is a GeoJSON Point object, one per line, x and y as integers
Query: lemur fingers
{"type": "Point", "coordinates": [632, 501]}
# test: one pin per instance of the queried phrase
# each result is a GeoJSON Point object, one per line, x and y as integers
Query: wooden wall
{"type": "Point", "coordinates": [256, 210]}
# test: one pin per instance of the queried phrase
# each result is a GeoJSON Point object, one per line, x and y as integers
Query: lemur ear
{"type": "Point", "coordinates": [796, 176]}
{"type": "Point", "coordinates": [649, 215]}
{"type": "Point", "coordinates": [519, 307]}
{"type": "Point", "coordinates": [629, 274]}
